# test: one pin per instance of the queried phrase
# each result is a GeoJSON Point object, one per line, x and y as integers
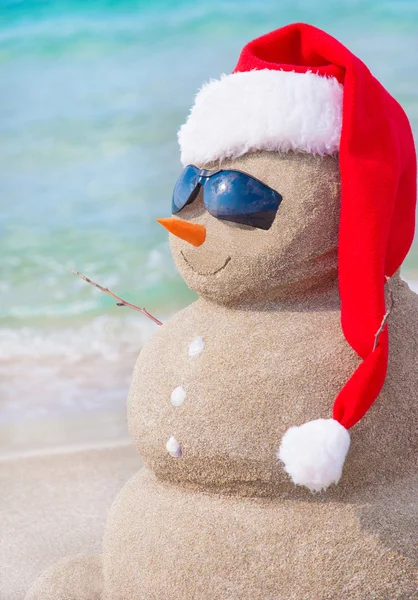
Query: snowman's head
{"type": "Point", "coordinates": [284, 251]}
{"type": "Point", "coordinates": [281, 129]}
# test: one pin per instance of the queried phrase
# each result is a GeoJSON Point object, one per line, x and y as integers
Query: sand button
{"type": "Point", "coordinates": [196, 346]}
{"type": "Point", "coordinates": [173, 447]}
{"type": "Point", "coordinates": [178, 395]}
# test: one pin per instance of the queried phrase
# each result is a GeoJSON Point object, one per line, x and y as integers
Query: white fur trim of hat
{"type": "Point", "coordinates": [263, 110]}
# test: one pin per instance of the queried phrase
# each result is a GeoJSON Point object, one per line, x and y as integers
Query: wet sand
{"type": "Point", "coordinates": [55, 504]}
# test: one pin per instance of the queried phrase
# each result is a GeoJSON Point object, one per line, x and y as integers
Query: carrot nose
{"type": "Point", "coordinates": [191, 232]}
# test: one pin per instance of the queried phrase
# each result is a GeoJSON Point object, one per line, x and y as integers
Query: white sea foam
{"type": "Point", "coordinates": [106, 337]}
{"type": "Point", "coordinates": [54, 374]}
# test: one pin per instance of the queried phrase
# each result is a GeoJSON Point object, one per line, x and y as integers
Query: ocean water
{"type": "Point", "coordinates": [91, 97]}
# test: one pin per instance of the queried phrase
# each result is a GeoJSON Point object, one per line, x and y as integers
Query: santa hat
{"type": "Point", "coordinates": [299, 89]}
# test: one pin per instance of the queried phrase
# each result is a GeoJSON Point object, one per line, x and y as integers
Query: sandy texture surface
{"type": "Point", "coordinates": [55, 505]}
{"type": "Point", "coordinates": [163, 543]}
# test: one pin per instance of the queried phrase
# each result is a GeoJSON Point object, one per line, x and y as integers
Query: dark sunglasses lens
{"type": "Point", "coordinates": [184, 187]}
{"type": "Point", "coordinates": [237, 197]}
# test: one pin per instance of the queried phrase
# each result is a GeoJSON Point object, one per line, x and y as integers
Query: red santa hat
{"type": "Point", "coordinates": [299, 89]}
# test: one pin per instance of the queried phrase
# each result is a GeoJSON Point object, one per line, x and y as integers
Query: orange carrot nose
{"type": "Point", "coordinates": [191, 232]}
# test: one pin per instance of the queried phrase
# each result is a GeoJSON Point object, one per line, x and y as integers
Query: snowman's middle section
{"type": "Point", "coordinates": [215, 388]}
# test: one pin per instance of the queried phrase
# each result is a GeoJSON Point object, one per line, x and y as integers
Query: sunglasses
{"type": "Point", "coordinates": [228, 195]}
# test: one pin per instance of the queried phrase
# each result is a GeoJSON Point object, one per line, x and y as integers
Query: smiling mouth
{"type": "Point", "coordinates": [205, 272]}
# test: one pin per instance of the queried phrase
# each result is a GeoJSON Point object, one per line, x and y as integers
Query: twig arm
{"type": "Point", "coordinates": [120, 301]}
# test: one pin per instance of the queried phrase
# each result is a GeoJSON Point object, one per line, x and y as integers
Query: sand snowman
{"type": "Point", "coordinates": [297, 201]}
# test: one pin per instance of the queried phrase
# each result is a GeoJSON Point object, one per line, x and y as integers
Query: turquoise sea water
{"type": "Point", "coordinates": [91, 96]}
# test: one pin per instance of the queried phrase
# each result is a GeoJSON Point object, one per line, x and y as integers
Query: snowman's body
{"type": "Point", "coordinates": [256, 370]}
{"type": "Point", "coordinates": [261, 350]}
{"type": "Point", "coordinates": [223, 521]}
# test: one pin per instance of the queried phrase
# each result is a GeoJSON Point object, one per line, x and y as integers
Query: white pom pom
{"type": "Point", "coordinates": [314, 453]}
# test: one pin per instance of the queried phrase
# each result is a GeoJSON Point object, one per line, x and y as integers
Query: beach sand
{"type": "Point", "coordinates": [55, 504]}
